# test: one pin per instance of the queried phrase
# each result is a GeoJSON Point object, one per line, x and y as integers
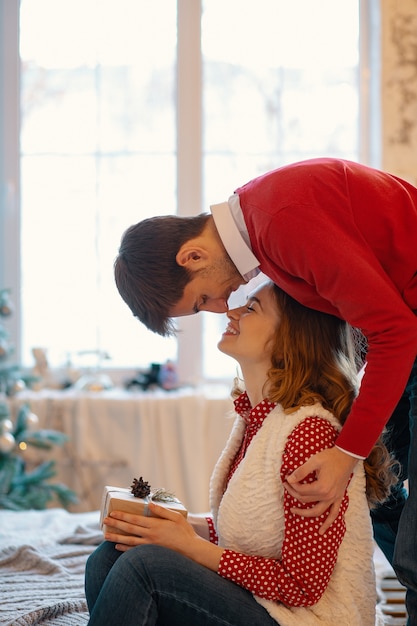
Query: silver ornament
{"type": "Point", "coordinates": [7, 443]}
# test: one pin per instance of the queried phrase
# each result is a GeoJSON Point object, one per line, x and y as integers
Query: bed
{"type": "Point", "coordinates": [42, 561]}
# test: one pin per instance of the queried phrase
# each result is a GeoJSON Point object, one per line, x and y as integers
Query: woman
{"type": "Point", "coordinates": [254, 561]}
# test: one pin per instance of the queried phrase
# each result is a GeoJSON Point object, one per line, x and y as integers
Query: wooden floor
{"type": "Point", "coordinates": [390, 592]}
{"type": "Point", "coordinates": [392, 603]}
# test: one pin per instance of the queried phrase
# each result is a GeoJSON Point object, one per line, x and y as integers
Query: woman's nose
{"type": "Point", "coordinates": [234, 313]}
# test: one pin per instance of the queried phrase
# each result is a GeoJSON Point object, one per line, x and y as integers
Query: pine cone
{"type": "Point", "coordinates": [140, 488]}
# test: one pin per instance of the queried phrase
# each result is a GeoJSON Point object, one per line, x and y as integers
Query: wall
{"type": "Point", "coordinates": [399, 87]}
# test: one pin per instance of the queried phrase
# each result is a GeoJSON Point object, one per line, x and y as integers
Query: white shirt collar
{"type": "Point", "coordinates": [231, 227]}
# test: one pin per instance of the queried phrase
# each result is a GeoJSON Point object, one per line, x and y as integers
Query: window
{"type": "Point", "coordinates": [139, 108]}
{"type": "Point", "coordinates": [281, 84]}
{"type": "Point", "coordinates": [97, 154]}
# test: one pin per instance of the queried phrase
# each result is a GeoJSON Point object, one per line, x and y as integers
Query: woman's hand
{"type": "Point", "coordinates": [333, 469]}
{"type": "Point", "coordinates": [169, 529]}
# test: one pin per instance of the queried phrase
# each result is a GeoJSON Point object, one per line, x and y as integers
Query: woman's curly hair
{"type": "Point", "coordinates": [316, 358]}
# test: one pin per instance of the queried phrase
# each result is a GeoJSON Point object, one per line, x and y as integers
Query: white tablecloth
{"type": "Point", "coordinates": [171, 439]}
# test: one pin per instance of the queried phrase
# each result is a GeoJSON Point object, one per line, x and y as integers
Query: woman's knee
{"type": "Point", "coordinates": [149, 558]}
{"type": "Point", "coordinates": [102, 559]}
{"type": "Point", "coordinates": [154, 565]}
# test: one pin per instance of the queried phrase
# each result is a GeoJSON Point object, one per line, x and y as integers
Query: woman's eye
{"type": "Point", "coordinates": [249, 307]}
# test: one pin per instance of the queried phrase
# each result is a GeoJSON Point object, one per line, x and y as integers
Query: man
{"type": "Point", "coordinates": [338, 237]}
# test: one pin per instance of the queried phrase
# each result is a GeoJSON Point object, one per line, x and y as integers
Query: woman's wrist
{"type": "Point", "coordinates": [205, 553]}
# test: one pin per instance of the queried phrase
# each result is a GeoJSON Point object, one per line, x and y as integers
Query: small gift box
{"type": "Point", "coordinates": [121, 499]}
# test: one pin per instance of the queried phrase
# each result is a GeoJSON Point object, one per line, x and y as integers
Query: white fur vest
{"type": "Point", "coordinates": [249, 518]}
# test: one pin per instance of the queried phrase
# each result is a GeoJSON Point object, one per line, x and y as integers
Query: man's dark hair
{"type": "Point", "coordinates": [147, 275]}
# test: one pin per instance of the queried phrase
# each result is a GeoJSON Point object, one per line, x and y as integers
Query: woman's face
{"type": "Point", "coordinates": [251, 328]}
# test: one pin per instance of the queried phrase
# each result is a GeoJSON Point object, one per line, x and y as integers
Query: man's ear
{"type": "Point", "coordinates": [191, 257]}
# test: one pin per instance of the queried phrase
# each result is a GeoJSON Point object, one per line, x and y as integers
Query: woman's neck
{"type": "Point", "coordinates": [256, 385]}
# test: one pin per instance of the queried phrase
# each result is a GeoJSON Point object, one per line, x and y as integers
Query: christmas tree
{"type": "Point", "coordinates": [8, 372]}
{"type": "Point", "coordinates": [21, 489]}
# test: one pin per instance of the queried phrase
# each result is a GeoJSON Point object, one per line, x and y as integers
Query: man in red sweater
{"type": "Point", "coordinates": [341, 238]}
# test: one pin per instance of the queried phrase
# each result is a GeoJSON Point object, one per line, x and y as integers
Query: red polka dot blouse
{"type": "Point", "coordinates": [300, 577]}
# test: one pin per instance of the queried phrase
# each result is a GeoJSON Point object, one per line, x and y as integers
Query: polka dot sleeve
{"type": "Point", "coordinates": [213, 537]}
{"type": "Point", "coordinates": [300, 577]}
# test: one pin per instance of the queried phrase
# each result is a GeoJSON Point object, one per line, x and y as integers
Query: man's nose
{"type": "Point", "coordinates": [215, 305]}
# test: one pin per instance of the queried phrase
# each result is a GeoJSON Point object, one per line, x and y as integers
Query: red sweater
{"type": "Point", "coordinates": [342, 238]}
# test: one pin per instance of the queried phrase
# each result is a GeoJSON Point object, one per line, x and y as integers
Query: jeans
{"type": "Point", "coordinates": [395, 521]}
{"type": "Point", "coordinates": [150, 585]}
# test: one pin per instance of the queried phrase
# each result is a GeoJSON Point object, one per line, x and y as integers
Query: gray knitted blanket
{"type": "Point", "coordinates": [42, 574]}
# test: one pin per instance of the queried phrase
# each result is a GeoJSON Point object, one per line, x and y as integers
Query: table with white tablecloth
{"type": "Point", "coordinates": [172, 439]}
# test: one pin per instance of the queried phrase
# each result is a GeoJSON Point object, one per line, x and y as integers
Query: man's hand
{"type": "Point", "coordinates": [333, 469]}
